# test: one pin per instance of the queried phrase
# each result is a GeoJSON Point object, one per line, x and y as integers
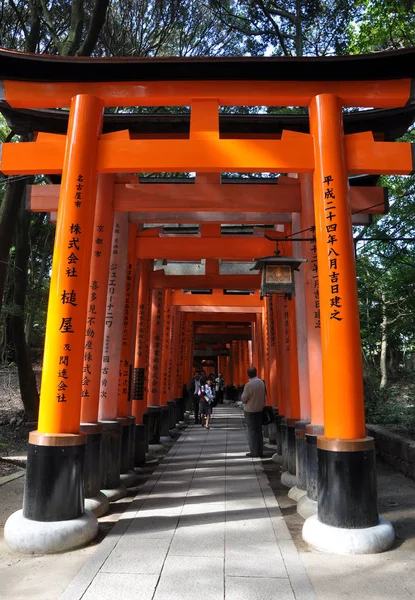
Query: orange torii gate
{"type": "Point", "coordinates": [346, 478]}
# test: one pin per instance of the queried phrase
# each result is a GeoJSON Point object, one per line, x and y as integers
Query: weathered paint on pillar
{"type": "Point", "coordinates": [156, 347]}
{"type": "Point", "coordinates": [60, 399]}
{"type": "Point", "coordinates": [340, 342]}
{"type": "Point", "coordinates": [164, 397]}
{"type": "Point", "coordinates": [250, 352]}
{"type": "Point", "coordinates": [124, 401]}
{"type": "Point", "coordinates": [108, 405]}
{"type": "Point", "coordinates": [312, 303]}
{"type": "Point", "coordinates": [301, 325]}
{"type": "Point", "coordinates": [139, 403]}
{"type": "Point", "coordinates": [97, 298]}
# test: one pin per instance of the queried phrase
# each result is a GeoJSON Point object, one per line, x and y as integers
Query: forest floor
{"type": "Point", "coordinates": [14, 430]}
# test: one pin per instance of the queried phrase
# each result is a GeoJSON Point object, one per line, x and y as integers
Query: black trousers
{"type": "Point", "coordinates": [253, 422]}
{"type": "Point", "coordinates": [195, 402]}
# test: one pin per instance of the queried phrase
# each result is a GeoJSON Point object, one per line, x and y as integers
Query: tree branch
{"type": "Point", "coordinates": [98, 16]}
{"type": "Point", "coordinates": [276, 27]}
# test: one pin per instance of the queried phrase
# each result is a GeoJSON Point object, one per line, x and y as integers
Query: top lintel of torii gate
{"type": "Point", "coordinates": [379, 80]}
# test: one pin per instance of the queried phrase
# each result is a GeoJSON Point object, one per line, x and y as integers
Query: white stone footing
{"type": "Point", "coordinates": [277, 458]}
{"type": "Point", "coordinates": [128, 479]}
{"type": "Point", "coordinates": [306, 507]}
{"type": "Point", "coordinates": [296, 494]}
{"type": "Point", "coordinates": [114, 494]}
{"type": "Point", "coordinates": [99, 505]}
{"type": "Point", "coordinates": [336, 540]}
{"type": "Point", "coordinates": [288, 479]}
{"type": "Point", "coordinates": [166, 440]}
{"type": "Point", "coordinates": [47, 537]}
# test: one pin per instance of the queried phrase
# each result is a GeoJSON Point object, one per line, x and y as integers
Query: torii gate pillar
{"type": "Point", "coordinates": [347, 516]}
{"type": "Point", "coordinates": [54, 488]}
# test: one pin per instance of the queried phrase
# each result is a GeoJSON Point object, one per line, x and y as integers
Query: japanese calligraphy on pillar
{"type": "Point", "coordinates": [124, 373]}
{"type": "Point", "coordinates": [271, 322]}
{"type": "Point", "coordinates": [68, 294]}
{"type": "Point", "coordinates": [94, 296]}
{"type": "Point", "coordinates": [314, 269]}
{"type": "Point", "coordinates": [332, 243]}
{"type": "Point", "coordinates": [171, 343]}
{"type": "Point", "coordinates": [138, 390]}
{"type": "Point", "coordinates": [166, 350]}
{"type": "Point", "coordinates": [286, 327]}
{"type": "Point", "coordinates": [157, 344]}
{"type": "Point", "coordinates": [113, 317]}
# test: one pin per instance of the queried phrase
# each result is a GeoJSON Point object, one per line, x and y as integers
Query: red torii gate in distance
{"type": "Point", "coordinates": [324, 85]}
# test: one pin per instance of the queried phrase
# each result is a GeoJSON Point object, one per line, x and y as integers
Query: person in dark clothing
{"type": "Point", "coordinates": [253, 400]}
{"type": "Point", "coordinates": [194, 394]}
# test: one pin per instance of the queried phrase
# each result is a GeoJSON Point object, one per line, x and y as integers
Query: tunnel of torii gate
{"type": "Point", "coordinates": [151, 274]}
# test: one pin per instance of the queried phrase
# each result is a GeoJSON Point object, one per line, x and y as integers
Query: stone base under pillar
{"type": "Point", "coordinates": [155, 451]}
{"type": "Point", "coordinates": [174, 433]}
{"type": "Point", "coordinates": [115, 493]}
{"type": "Point", "coordinates": [128, 479]}
{"type": "Point", "coordinates": [306, 507]}
{"type": "Point", "coordinates": [337, 540]}
{"type": "Point", "coordinates": [166, 440]}
{"type": "Point", "coordinates": [296, 494]}
{"type": "Point", "coordinates": [277, 458]}
{"type": "Point", "coordinates": [49, 537]}
{"type": "Point", "coordinates": [99, 505]}
{"type": "Point", "coordinates": [288, 479]}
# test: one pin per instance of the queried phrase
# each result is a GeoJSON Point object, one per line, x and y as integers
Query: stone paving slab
{"type": "Point", "coordinates": [206, 524]}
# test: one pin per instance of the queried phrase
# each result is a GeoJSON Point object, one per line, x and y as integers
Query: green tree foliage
{"type": "Point", "coordinates": [383, 25]}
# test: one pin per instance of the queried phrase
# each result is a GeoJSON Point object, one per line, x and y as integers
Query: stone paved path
{"type": "Point", "coordinates": [205, 525]}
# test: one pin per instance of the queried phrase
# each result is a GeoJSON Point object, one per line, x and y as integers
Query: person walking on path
{"type": "Point", "coordinates": [194, 394]}
{"type": "Point", "coordinates": [219, 387]}
{"type": "Point", "coordinates": [207, 397]}
{"type": "Point", "coordinates": [253, 400]}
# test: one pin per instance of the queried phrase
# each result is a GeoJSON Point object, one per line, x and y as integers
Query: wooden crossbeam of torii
{"type": "Point", "coordinates": [381, 93]}
{"type": "Point", "coordinates": [158, 280]}
{"type": "Point", "coordinates": [222, 330]}
{"type": "Point", "coordinates": [208, 198]}
{"type": "Point", "coordinates": [206, 153]}
{"type": "Point", "coordinates": [233, 315]}
{"type": "Point", "coordinates": [217, 299]}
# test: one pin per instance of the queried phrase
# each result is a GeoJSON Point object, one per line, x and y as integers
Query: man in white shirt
{"type": "Point", "coordinates": [253, 400]}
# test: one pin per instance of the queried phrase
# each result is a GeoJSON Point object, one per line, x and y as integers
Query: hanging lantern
{"type": "Point", "coordinates": [278, 274]}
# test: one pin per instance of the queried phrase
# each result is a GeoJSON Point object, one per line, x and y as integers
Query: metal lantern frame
{"type": "Point", "coordinates": [278, 274]}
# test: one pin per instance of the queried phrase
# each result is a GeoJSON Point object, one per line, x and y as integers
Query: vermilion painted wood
{"type": "Point", "coordinates": [340, 328]}
{"type": "Point", "coordinates": [60, 398]}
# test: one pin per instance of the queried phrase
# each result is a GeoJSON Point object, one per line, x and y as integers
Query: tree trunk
{"type": "Point", "coordinates": [384, 345]}
{"type": "Point", "coordinates": [8, 215]}
{"type": "Point", "coordinates": [27, 377]}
